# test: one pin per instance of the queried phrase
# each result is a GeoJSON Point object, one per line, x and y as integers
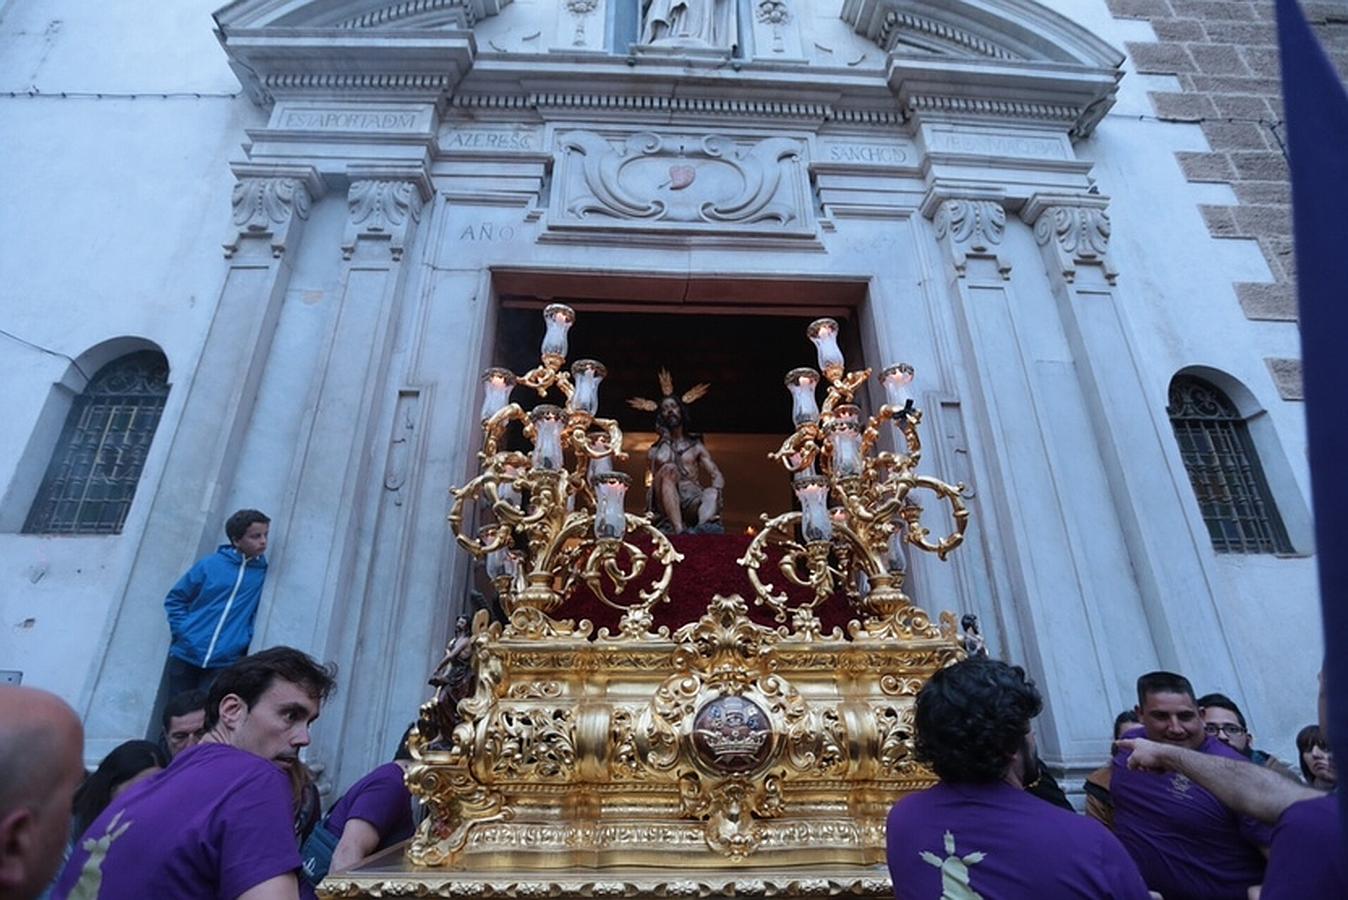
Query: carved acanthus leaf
{"type": "Point", "coordinates": [1076, 235]}
{"type": "Point", "coordinates": [381, 210]}
{"type": "Point", "coordinates": [972, 228]}
{"type": "Point", "coordinates": [264, 207]}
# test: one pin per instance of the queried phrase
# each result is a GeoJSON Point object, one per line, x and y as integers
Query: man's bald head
{"type": "Point", "coordinates": [41, 745]}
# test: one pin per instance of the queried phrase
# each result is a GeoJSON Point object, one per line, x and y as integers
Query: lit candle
{"type": "Point", "coordinates": [558, 318]}
{"type": "Point", "coordinates": [609, 491]}
{"type": "Point", "coordinates": [815, 524]}
{"type": "Point", "coordinates": [896, 379]}
{"type": "Point", "coordinates": [548, 421]}
{"type": "Point", "coordinates": [824, 334]}
{"type": "Point", "coordinates": [587, 374]}
{"type": "Point", "coordinates": [496, 387]}
{"type": "Point", "coordinates": [801, 383]}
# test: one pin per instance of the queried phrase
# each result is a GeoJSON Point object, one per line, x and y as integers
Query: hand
{"type": "Point", "coordinates": [1148, 756]}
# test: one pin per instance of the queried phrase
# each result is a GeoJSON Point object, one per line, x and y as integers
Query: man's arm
{"type": "Point", "coordinates": [708, 466]}
{"type": "Point", "coordinates": [359, 839]}
{"type": "Point", "coordinates": [282, 887]}
{"type": "Point", "coordinates": [1243, 787]}
{"type": "Point", "coordinates": [181, 596]}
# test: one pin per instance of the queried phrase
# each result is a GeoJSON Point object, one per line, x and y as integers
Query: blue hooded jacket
{"type": "Point", "coordinates": [211, 608]}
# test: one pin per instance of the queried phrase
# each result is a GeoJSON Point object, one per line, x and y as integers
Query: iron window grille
{"type": "Point", "coordinates": [92, 477]}
{"type": "Point", "coordinates": [1214, 443]}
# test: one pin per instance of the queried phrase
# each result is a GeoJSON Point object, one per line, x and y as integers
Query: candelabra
{"type": "Point", "coordinates": [551, 528]}
{"type": "Point", "coordinates": [855, 546]}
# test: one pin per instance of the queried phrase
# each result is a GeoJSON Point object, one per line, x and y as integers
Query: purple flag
{"type": "Point", "coordinates": [1317, 137]}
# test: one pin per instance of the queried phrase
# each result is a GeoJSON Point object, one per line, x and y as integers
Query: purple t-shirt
{"type": "Point", "coordinates": [217, 822]}
{"type": "Point", "coordinates": [1000, 842]}
{"type": "Point", "coordinates": [1307, 857]}
{"type": "Point", "coordinates": [380, 798]}
{"type": "Point", "coordinates": [1187, 844]}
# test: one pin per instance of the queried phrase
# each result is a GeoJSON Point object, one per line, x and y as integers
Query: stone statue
{"type": "Point", "coordinates": [974, 644]}
{"type": "Point", "coordinates": [678, 461]}
{"type": "Point", "coordinates": [690, 23]}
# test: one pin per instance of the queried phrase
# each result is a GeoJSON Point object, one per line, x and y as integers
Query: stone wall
{"type": "Point", "coordinates": [1224, 57]}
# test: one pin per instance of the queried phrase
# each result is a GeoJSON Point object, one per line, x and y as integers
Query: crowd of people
{"type": "Point", "coordinates": [221, 805]}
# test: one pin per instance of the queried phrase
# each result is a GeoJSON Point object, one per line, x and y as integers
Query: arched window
{"type": "Point", "coordinates": [1215, 445]}
{"type": "Point", "coordinates": [96, 465]}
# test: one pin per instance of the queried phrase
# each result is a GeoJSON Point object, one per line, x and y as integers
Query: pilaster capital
{"type": "Point", "coordinates": [268, 202]}
{"type": "Point", "coordinates": [968, 224]}
{"type": "Point", "coordinates": [384, 205]}
{"type": "Point", "coordinates": [1073, 229]}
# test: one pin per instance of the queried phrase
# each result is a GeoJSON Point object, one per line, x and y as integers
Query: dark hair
{"type": "Point", "coordinates": [250, 677]}
{"type": "Point", "coordinates": [181, 704]}
{"type": "Point", "coordinates": [121, 765]}
{"type": "Point", "coordinates": [972, 717]}
{"type": "Point", "coordinates": [1308, 738]}
{"type": "Point", "coordinates": [968, 620]}
{"type": "Point", "coordinates": [1128, 715]}
{"type": "Point", "coordinates": [1221, 701]}
{"type": "Point", "coordinates": [1163, 683]}
{"type": "Point", "coordinates": [236, 526]}
{"type": "Point", "coordinates": [403, 753]}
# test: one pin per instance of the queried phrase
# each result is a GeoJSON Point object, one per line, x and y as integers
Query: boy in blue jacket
{"type": "Point", "coordinates": [211, 608]}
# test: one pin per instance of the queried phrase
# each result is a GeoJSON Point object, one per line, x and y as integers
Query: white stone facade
{"type": "Point", "coordinates": [971, 175]}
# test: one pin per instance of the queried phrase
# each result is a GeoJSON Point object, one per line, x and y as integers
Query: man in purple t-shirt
{"type": "Point", "coordinates": [1306, 857]}
{"type": "Point", "coordinates": [978, 833]}
{"type": "Point", "coordinates": [1188, 845]}
{"type": "Point", "coordinates": [219, 821]}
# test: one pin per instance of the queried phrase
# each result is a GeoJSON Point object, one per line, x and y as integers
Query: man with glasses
{"type": "Point", "coordinates": [1223, 720]}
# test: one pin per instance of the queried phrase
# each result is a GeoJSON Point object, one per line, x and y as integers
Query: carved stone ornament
{"type": "Point", "coordinates": [267, 207]}
{"type": "Point", "coordinates": [698, 183]}
{"type": "Point", "coordinates": [381, 211]}
{"type": "Point", "coordinates": [972, 228]}
{"type": "Point", "coordinates": [1076, 236]}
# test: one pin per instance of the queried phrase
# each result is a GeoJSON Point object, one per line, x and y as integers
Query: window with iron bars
{"type": "Point", "coordinates": [1214, 443]}
{"type": "Point", "coordinates": [92, 477]}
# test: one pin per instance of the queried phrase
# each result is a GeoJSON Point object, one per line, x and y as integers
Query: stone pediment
{"type": "Point", "coordinates": [356, 14]}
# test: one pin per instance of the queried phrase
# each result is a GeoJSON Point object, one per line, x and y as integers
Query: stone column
{"type": "Point", "coordinates": [1039, 501]}
{"type": "Point", "coordinates": [356, 438]}
{"type": "Point", "coordinates": [270, 206]}
{"type": "Point", "coordinates": [1154, 501]}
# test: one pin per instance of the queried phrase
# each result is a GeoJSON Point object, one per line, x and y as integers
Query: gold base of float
{"type": "Point", "coordinates": [726, 759]}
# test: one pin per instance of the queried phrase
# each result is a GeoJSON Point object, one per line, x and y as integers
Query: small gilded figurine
{"type": "Point", "coordinates": [974, 644]}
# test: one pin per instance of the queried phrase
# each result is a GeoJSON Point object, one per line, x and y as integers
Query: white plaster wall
{"type": "Point", "coordinates": [113, 221]}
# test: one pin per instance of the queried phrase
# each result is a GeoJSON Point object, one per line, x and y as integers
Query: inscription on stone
{"type": "Point", "coordinates": [488, 140]}
{"type": "Point", "coordinates": [994, 145]}
{"type": "Point", "coordinates": [348, 120]}
{"type": "Point", "coordinates": [865, 153]}
{"type": "Point", "coordinates": [487, 231]}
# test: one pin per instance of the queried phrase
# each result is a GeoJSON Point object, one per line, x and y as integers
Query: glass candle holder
{"type": "Point", "coordinates": [496, 387]}
{"type": "Point", "coordinates": [599, 465]}
{"type": "Point", "coordinates": [801, 383]}
{"type": "Point", "coordinates": [797, 471]}
{"type": "Point", "coordinates": [610, 489]}
{"type": "Point", "coordinates": [896, 379]}
{"type": "Point", "coordinates": [845, 441]}
{"type": "Point", "coordinates": [505, 488]}
{"type": "Point", "coordinates": [586, 374]}
{"type": "Point", "coordinates": [557, 317]}
{"type": "Point", "coordinates": [824, 334]}
{"type": "Point", "coordinates": [501, 564]}
{"type": "Point", "coordinates": [849, 413]}
{"type": "Point", "coordinates": [815, 524]}
{"type": "Point", "coordinates": [548, 421]}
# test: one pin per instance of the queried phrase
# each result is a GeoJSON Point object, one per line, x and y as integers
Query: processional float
{"type": "Point", "coordinates": [724, 758]}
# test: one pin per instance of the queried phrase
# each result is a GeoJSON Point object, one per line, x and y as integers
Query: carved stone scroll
{"type": "Point", "coordinates": [1075, 235]}
{"type": "Point", "coordinates": [971, 227]}
{"type": "Point", "coordinates": [267, 207]}
{"type": "Point", "coordinates": [381, 211]}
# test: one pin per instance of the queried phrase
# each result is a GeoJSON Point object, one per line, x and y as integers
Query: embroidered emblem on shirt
{"type": "Point", "coordinates": [91, 874]}
{"type": "Point", "coordinates": [954, 871]}
{"type": "Point", "coordinates": [1180, 785]}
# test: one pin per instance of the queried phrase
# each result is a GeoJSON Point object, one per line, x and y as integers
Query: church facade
{"type": "Point", "coordinates": [276, 250]}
